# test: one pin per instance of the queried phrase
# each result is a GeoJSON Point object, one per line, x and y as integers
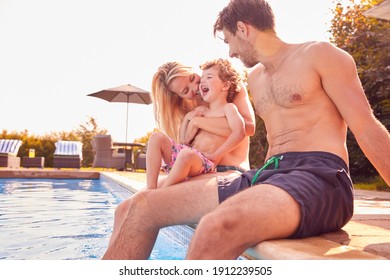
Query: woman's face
{"type": "Point", "coordinates": [186, 87]}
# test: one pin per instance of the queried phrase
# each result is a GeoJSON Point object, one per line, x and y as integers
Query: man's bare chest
{"type": "Point", "coordinates": [293, 85]}
{"type": "Point", "coordinates": [274, 92]}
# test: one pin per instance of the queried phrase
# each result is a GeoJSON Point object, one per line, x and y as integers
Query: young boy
{"type": "Point", "coordinates": [200, 154]}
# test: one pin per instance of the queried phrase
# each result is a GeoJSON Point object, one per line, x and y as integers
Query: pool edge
{"type": "Point", "coordinates": [49, 174]}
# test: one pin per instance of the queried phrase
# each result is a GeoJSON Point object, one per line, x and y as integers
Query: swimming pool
{"type": "Point", "coordinates": [68, 219]}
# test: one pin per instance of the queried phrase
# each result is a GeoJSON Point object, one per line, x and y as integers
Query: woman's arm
{"type": "Point", "coordinates": [245, 108]}
{"type": "Point", "coordinates": [183, 128]}
{"type": "Point", "coordinates": [213, 125]}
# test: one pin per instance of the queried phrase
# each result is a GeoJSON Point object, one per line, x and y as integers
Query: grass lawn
{"type": "Point", "coordinates": [375, 184]}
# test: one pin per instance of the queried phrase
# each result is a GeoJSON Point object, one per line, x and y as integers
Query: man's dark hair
{"type": "Point", "coordinates": [257, 13]}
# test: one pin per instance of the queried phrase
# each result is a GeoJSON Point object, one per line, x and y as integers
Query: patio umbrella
{"type": "Point", "coordinates": [381, 11]}
{"type": "Point", "coordinates": [125, 94]}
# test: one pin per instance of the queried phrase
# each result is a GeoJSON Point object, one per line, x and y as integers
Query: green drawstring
{"type": "Point", "coordinates": [272, 160]}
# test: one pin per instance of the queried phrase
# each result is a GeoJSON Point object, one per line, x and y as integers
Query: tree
{"type": "Point", "coordinates": [85, 133]}
{"type": "Point", "coordinates": [367, 39]}
{"type": "Point", "coordinates": [44, 145]}
{"type": "Point", "coordinates": [258, 142]}
{"type": "Point", "coordinates": [258, 145]}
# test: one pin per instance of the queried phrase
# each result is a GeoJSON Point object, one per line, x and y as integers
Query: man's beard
{"type": "Point", "coordinates": [248, 55]}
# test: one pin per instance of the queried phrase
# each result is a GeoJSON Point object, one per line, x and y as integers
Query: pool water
{"type": "Point", "coordinates": [68, 219]}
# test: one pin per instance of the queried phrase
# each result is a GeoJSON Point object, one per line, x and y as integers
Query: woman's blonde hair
{"type": "Point", "coordinates": [169, 108]}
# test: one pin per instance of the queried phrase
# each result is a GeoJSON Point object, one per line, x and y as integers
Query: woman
{"type": "Point", "coordinates": [175, 92]}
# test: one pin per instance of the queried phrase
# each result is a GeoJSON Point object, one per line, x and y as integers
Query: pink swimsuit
{"type": "Point", "coordinates": [208, 165]}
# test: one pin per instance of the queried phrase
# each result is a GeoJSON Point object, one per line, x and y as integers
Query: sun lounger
{"type": "Point", "coordinates": [68, 154]}
{"type": "Point", "coordinates": [9, 149]}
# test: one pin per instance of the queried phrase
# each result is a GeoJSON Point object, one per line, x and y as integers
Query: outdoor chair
{"type": "Point", "coordinates": [140, 159]}
{"type": "Point", "coordinates": [105, 154]}
{"type": "Point", "coordinates": [68, 154]}
{"type": "Point", "coordinates": [9, 149]}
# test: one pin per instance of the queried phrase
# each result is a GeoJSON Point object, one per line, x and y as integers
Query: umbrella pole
{"type": "Point", "coordinates": [127, 116]}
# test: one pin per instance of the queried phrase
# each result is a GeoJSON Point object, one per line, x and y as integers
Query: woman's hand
{"type": "Point", "coordinates": [192, 128]}
{"type": "Point", "coordinates": [195, 113]}
{"type": "Point", "coordinates": [191, 131]}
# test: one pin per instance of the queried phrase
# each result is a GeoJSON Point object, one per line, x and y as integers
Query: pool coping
{"type": "Point", "coordinates": [32, 173]}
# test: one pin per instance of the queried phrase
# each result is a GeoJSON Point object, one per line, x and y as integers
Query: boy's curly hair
{"type": "Point", "coordinates": [227, 73]}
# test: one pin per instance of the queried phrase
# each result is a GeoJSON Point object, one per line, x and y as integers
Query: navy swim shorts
{"type": "Point", "coordinates": [224, 168]}
{"type": "Point", "coordinates": [318, 181]}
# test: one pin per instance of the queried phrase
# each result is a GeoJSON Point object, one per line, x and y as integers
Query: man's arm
{"type": "Point", "coordinates": [236, 124]}
{"type": "Point", "coordinates": [341, 82]}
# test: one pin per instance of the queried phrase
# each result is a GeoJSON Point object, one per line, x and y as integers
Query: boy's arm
{"type": "Point", "coordinates": [237, 126]}
{"type": "Point", "coordinates": [220, 126]}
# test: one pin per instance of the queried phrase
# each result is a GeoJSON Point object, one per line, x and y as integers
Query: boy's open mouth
{"type": "Point", "coordinates": [204, 90]}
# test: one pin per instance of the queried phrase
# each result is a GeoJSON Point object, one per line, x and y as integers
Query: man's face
{"type": "Point", "coordinates": [240, 48]}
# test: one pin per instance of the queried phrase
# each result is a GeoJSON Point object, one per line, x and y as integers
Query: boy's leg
{"type": "Point", "coordinates": [151, 210]}
{"type": "Point", "coordinates": [187, 163]}
{"type": "Point", "coordinates": [259, 213]}
{"type": "Point", "coordinates": [159, 147]}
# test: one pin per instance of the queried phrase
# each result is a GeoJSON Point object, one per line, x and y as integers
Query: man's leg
{"type": "Point", "coordinates": [119, 218]}
{"type": "Point", "coordinates": [259, 213]}
{"type": "Point", "coordinates": [151, 210]}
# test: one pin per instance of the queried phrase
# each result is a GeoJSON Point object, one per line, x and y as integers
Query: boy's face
{"type": "Point", "coordinates": [211, 86]}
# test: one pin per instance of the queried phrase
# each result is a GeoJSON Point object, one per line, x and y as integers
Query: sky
{"type": "Point", "coordinates": [53, 53]}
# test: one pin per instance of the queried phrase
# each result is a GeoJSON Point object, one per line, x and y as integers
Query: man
{"type": "Point", "coordinates": [307, 94]}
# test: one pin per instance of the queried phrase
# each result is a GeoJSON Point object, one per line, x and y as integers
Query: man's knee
{"type": "Point", "coordinates": [136, 206]}
{"type": "Point", "coordinates": [216, 225]}
{"type": "Point", "coordinates": [122, 209]}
